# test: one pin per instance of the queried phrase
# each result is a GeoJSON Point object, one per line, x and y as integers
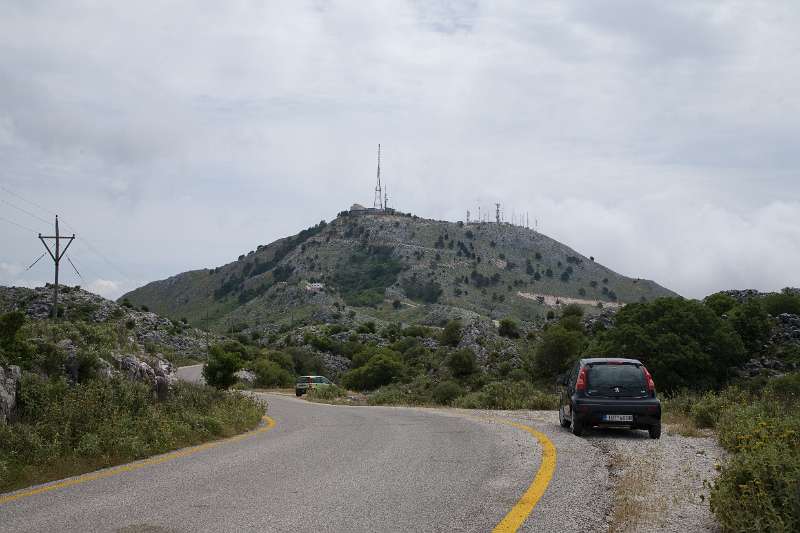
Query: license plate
{"type": "Point", "coordinates": [618, 418]}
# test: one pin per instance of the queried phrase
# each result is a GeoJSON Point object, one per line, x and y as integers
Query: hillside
{"type": "Point", "coordinates": [141, 331]}
{"type": "Point", "coordinates": [396, 267]}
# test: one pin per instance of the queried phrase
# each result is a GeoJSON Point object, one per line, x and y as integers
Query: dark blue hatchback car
{"type": "Point", "coordinates": [608, 392]}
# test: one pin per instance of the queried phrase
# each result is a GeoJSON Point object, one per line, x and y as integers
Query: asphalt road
{"type": "Point", "coordinates": [343, 469]}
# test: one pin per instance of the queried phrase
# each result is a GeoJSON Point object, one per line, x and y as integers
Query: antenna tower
{"type": "Point", "coordinates": [378, 203]}
{"type": "Point", "coordinates": [497, 212]}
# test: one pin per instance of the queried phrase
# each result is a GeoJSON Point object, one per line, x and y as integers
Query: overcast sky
{"type": "Point", "coordinates": [659, 137]}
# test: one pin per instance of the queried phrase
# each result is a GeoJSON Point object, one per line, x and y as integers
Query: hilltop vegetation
{"type": "Point", "coordinates": [387, 266]}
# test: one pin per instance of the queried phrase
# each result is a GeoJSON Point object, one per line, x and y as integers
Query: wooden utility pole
{"type": "Point", "coordinates": [56, 256]}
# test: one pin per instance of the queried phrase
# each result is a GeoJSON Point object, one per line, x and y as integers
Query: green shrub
{"type": "Point", "coordinates": [220, 368]}
{"type": "Point", "coordinates": [720, 303]}
{"type": "Point", "coordinates": [462, 363]}
{"type": "Point", "coordinates": [508, 328]}
{"type": "Point", "coordinates": [505, 395]}
{"type": "Point", "coordinates": [63, 430]}
{"type": "Point", "coordinates": [451, 335]}
{"type": "Point", "coordinates": [558, 348]}
{"type": "Point", "coordinates": [270, 374]}
{"type": "Point", "coordinates": [327, 393]}
{"type": "Point", "coordinates": [683, 343]}
{"type": "Point", "coordinates": [759, 488]}
{"type": "Point", "coordinates": [784, 302]}
{"type": "Point", "coordinates": [752, 323]}
{"type": "Point", "coordinates": [367, 327]}
{"type": "Point", "coordinates": [379, 370]}
{"type": "Point", "coordinates": [445, 392]}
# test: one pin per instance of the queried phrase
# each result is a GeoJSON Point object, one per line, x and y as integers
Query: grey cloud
{"type": "Point", "coordinates": [658, 137]}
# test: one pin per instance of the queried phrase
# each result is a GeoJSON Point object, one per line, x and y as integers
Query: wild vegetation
{"type": "Point", "coordinates": [70, 417]}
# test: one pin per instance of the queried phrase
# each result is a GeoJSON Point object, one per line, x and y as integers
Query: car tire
{"type": "Point", "coordinates": [562, 419]}
{"type": "Point", "coordinates": [298, 393]}
{"type": "Point", "coordinates": [655, 431]}
{"type": "Point", "coordinates": [577, 427]}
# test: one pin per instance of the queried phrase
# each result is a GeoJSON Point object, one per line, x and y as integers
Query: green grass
{"type": "Point", "coordinates": [65, 430]}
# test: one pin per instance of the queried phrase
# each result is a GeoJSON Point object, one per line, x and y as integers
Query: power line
{"type": "Point", "coordinates": [83, 240]}
{"type": "Point", "coordinates": [74, 268]}
{"type": "Point", "coordinates": [37, 217]}
{"type": "Point", "coordinates": [32, 264]}
{"type": "Point", "coordinates": [26, 228]}
{"type": "Point", "coordinates": [30, 202]}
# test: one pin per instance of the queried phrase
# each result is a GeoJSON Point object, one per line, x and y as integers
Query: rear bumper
{"type": "Point", "coordinates": [646, 412]}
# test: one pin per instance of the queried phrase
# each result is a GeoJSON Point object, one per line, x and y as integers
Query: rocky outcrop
{"type": "Point", "coordinates": [765, 366]}
{"type": "Point", "coordinates": [335, 364]}
{"type": "Point", "coordinates": [787, 329]}
{"type": "Point", "coordinates": [246, 376]}
{"type": "Point", "coordinates": [9, 386]}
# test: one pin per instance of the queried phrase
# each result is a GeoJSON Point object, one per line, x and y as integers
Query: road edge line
{"type": "Point", "coordinates": [524, 506]}
{"type": "Point", "coordinates": [269, 423]}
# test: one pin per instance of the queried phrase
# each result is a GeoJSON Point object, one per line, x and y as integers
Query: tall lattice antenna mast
{"type": "Point", "coordinates": [378, 203]}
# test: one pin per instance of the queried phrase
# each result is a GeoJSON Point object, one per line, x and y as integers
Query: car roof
{"type": "Point", "coordinates": [311, 376]}
{"type": "Point", "coordinates": [593, 360]}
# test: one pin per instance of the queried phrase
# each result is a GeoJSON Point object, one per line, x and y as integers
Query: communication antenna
{"type": "Point", "coordinates": [385, 197]}
{"type": "Point", "coordinates": [497, 212]}
{"type": "Point", "coordinates": [479, 214]}
{"type": "Point", "coordinates": [378, 203]}
{"type": "Point", "coordinates": [467, 216]}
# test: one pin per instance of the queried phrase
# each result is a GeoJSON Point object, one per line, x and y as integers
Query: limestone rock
{"type": "Point", "coordinates": [246, 376]}
{"type": "Point", "coordinates": [9, 386]}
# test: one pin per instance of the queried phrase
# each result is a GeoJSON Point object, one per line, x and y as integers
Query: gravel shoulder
{"type": "Point", "coordinates": [625, 481]}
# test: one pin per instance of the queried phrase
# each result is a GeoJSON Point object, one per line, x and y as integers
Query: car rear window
{"type": "Point", "coordinates": [611, 379]}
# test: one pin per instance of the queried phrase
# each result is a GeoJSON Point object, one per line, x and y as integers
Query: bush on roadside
{"type": "Point", "coordinates": [380, 370]}
{"type": "Point", "coordinates": [270, 374]}
{"type": "Point", "coordinates": [758, 488]}
{"type": "Point", "coordinates": [445, 392]}
{"type": "Point", "coordinates": [221, 367]}
{"type": "Point", "coordinates": [326, 393]}
{"type": "Point", "coordinates": [505, 395]}
{"type": "Point", "coordinates": [67, 429]}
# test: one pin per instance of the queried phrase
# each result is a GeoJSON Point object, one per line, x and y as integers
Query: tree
{"type": "Point", "coordinates": [462, 363]}
{"type": "Point", "coordinates": [221, 366]}
{"type": "Point", "coordinates": [380, 370]}
{"type": "Point", "coordinates": [271, 374]}
{"type": "Point", "coordinates": [784, 302]}
{"type": "Point", "coordinates": [558, 348]}
{"type": "Point", "coordinates": [683, 342]}
{"type": "Point", "coordinates": [451, 335]}
{"type": "Point", "coordinates": [720, 303]}
{"type": "Point", "coordinates": [508, 328]}
{"type": "Point", "coordinates": [752, 323]}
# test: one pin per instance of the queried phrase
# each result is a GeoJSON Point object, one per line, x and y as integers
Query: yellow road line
{"type": "Point", "coordinates": [269, 423]}
{"type": "Point", "coordinates": [520, 512]}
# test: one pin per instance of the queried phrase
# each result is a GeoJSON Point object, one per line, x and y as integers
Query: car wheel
{"type": "Point", "coordinates": [577, 427]}
{"type": "Point", "coordinates": [298, 393]}
{"type": "Point", "coordinates": [655, 431]}
{"type": "Point", "coordinates": [561, 419]}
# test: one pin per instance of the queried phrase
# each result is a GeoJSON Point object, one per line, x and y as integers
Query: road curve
{"type": "Point", "coordinates": [325, 468]}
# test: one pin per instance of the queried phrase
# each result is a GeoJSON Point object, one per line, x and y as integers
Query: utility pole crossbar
{"type": "Point", "coordinates": [56, 254]}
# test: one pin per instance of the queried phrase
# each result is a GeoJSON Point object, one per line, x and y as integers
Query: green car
{"type": "Point", "coordinates": [306, 383]}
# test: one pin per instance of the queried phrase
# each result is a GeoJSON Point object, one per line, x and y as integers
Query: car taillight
{"type": "Point", "coordinates": [580, 384]}
{"type": "Point", "coordinates": [651, 386]}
